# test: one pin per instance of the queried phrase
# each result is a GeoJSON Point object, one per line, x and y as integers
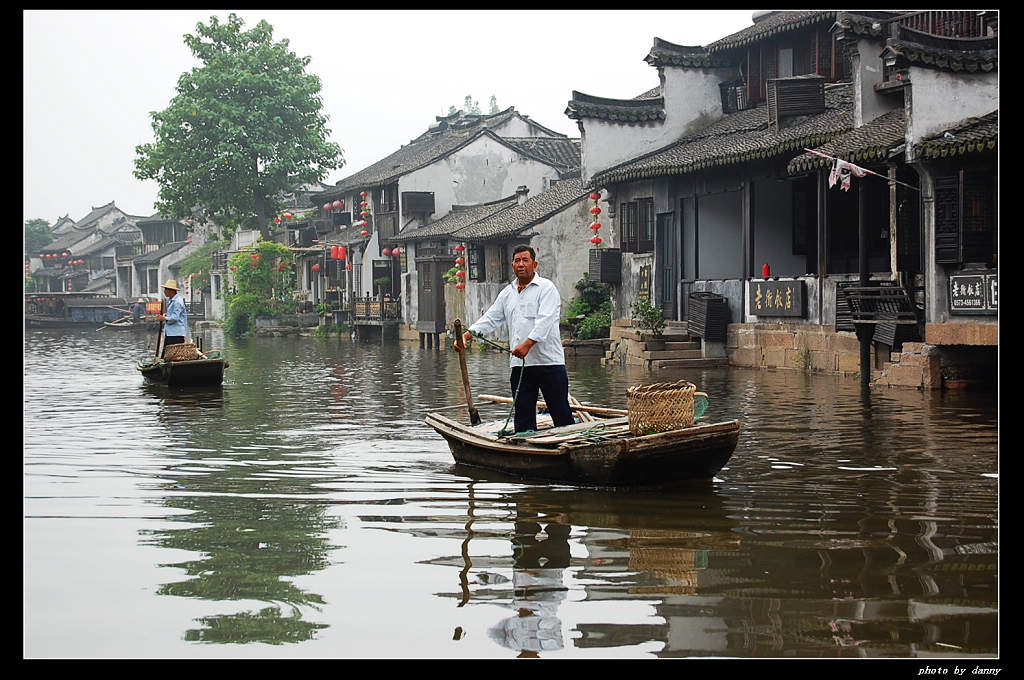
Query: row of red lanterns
{"type": "Point", "coordinates": [365, 214]}
{"type": "Point", "coordinates": [460, 262]}
{"type": "Point", "coordinates": [595, 225]}
{"type": "Point", "coordinates": [389, 252]}
{"type": "Point", "coordinates": [337, 205]}
{"type": "Point", "coordinates": [55, 256]}
{"type": "Point", "coordinates": [286, 215]}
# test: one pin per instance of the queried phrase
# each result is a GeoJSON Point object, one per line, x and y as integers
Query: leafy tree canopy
{"type": "Point", "coordinates": [244, 126]}
{"type": "Point", "coordinates": [37, 235]}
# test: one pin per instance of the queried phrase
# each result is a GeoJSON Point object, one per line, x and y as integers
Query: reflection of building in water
{"type": "Point", "coordinates": [538, 580]}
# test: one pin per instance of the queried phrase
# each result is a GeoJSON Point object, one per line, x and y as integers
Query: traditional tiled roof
{"type": "Point", "coordinates": [101, 245]}
{"type": "Point", "coordinates": [664, 53]}
{"type": "Point", "coordinates": [627, 111]}
{"type": "Point", "coordinates": [563, 153]}
{"type": "Point", "coordinates": [450, 134]}
{"type": "Point", "coordinates": [95, 215]}
{"type": "Point", "coordinates": [347, 236]}
{"type": "Point", "coordinates": [158, 254]}
{"type": "Point", "coordinates": [458, 218]}
{"type": "Point", "coordinates": [970, 55]}
{"type": "Point", "coordinates": [66, 241]}
{"type": "Point", "coordinates": [971, 136]}
{"type": "Point", "coordinates": [652, 93]}
{"type": "Point", "coordinates": [872, 141]}
{"type": "Point", "coordinates": [775, 24]}
{"type": "Point", "coordinates": [510, 223]}
{"type": "Point", "coordinates": [740, 137]}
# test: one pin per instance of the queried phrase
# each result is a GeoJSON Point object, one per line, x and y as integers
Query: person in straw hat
{"type": "Point", "coordinates": [175, 317]}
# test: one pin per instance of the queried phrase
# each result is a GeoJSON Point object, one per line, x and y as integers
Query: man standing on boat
{"type": "Point", "coordinates": [530, 307]}
{"type": "Point", "coordinates": [175, 316]}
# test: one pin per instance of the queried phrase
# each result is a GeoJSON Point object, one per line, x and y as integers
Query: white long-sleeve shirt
{"type": "Point", "coordinates": [533, 314]}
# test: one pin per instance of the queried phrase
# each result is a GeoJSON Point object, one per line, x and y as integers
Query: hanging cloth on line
{"type": "Point", "coordinates": [841, 171]}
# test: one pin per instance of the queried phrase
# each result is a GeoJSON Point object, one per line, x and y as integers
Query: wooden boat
{"type": "Point", "coordinates": [199, 372]}
{"type": "Point", "coordinates": [599, 451]}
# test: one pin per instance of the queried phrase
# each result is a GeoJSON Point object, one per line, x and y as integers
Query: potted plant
{"type": "Point", "coordinates": [648, 320]}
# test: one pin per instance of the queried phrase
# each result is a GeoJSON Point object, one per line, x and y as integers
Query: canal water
{"type": "Point", "coordinates": [304, 510]}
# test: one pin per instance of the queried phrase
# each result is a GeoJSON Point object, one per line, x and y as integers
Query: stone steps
{"type": "Point", "coordinates": [676, 349]}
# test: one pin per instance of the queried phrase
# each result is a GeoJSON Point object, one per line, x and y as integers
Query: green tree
{"type": "Point", "coordinates": [264, 279]}
{"type": "Point", "coordinates": [37, 235]}
{"type": "Point", "coordinates": [244, 126]}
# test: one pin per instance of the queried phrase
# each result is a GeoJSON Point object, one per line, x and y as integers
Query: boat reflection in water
{"type": "Point", "coordinates": [697, 582]}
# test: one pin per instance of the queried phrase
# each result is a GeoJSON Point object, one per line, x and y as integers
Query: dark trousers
{"type": "Point", "coordinates": [553, 382]}
{"type": "Point", "coordinates": [171, 340]}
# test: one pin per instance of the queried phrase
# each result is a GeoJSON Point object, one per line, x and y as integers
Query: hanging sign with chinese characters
{"type": "Point", "coordinates": [777, 298]}
{"type": "Point", "coordinates": [974, 292]}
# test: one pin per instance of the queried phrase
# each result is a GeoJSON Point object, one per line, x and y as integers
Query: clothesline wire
{"type": "Point", "coordinates": [872, 172]}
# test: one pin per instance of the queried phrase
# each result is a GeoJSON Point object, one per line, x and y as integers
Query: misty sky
{"type": "Point", "coordinates": [92, 77]}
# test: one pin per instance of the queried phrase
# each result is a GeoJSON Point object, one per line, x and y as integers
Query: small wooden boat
{"type": "Point", "coordinates": [599, 451]}
{"type": "Point", "coordinates": [205, 371]}
{"type": "Point", "coordinates": [131, 325]}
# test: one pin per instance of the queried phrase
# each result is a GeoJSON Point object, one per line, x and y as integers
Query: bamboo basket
{"type": "Point", "coordinates": [185, 351]}
{"type": "Point", "coordinates": [660, 407]}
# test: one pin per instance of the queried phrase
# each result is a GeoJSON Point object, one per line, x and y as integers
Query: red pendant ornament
{"type": "Point", "coordinates": [342, 253]}
{"type": "Point", "coordinates": [460, 261]}
{"type": "Point", "coordinates": [386, 252]}
{"type": "Point", "coordinates": [595, 225]}
{"type": "Point", "coordinates": [460, 286]}
{"type": "Point", "coordinates": [396, 252]}
{"type": "Point", "coordinates": [316, 267]}
{"type": "Point", "coordinates": [328, 206]}
{"type": "Point", "coordinates": [338, 205]}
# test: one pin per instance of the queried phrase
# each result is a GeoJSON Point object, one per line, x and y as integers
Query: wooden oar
{"type": "Point", "coordinates": [474, 417]}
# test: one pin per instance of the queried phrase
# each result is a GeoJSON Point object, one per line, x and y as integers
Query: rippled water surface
{"type": "Point", "coordinates": [304, 510]}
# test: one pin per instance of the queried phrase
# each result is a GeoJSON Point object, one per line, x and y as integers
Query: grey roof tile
{"type": "Point", "coordinates": [739, 137]}
{"type": "Point", "coordinates": [458, 218]}
{"type": "Point", "coordinates": [870, 142]}
{"type": "Point", "coordinates": [973, 135]}
{"type": "Point", "coordinates": [512, 222]}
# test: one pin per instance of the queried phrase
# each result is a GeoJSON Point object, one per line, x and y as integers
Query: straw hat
{"type": "Point", "coordinates": [140, 300]}
{"type": "Point", "coordinates": [172, 284]}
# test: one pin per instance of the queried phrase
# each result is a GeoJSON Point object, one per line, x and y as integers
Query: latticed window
{"type": "Point", "coordinates": [965, 224]}
{"type": "Point", "coordinates": [636, 226]}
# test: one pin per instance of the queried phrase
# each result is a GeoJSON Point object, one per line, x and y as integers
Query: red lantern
{"type": "Point", "coordinates": [459, 248]}
{"type": "Point", "coordinates": [338, 205]}
{"type": "Point", "coordinates": [595, 196]}
{"type": "Point", "coordinates": [363, 194]}
{"type": "Point", "coordinates": [396, 252]}
{"type": "Point", "coordinates": [255, 256]}
{"type": "Point", "coordinates": [596, 240]}
{"type": "Point", "coordinates": [766, 271]}
{"type": "Point", "coordinates": [460, 286]}
{"type": "Point", "coordinates": [595, 210]}
{"type": "Point", "coordinates": [461, 274]}
{"type": "Point", "coordinates": [342, 253]}
{"type": "Point", "coordinates": [327, 207]}
{"type": "Point", "coordinates": [364, 204]}
{"type": "Point", "coordinates": [334, 252]}
{"type": "Point", "coordinates": [316, 267]}
{"type": "Point", "coordinates": [364, 214]}
{"type": "Point", "coordinates": [595, 225]}
{"type": "Point", "coordinates": [364, 233]}
{"type": "Point", "coordinates": [67, 253]}
{"type": "Point", "coordinates": [277, 220]}
{"type": "Point", "coordinates": [287, 215]}
{"type": "Point", "coordinates": [460, 261]}
{"type": "Point", "coordinates": [386, 252]}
